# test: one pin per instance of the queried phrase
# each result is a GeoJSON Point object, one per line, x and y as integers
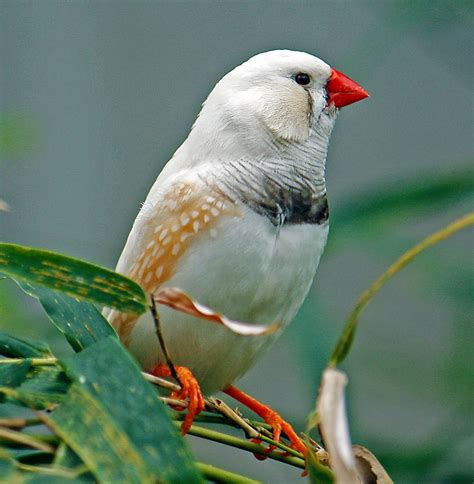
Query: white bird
{"type": "Point", "coordinates": [238, 220]}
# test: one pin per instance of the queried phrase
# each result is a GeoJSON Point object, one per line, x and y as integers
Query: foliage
{"type": "Point", "coordinates": [106, 422]}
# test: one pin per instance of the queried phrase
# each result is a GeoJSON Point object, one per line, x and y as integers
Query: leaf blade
{"type": "Point", "coordinates": [135, 408]}
{"type": "Point", "coordinates": [74, 277]}
{"type": "Point", "coordinates": [80, 321]}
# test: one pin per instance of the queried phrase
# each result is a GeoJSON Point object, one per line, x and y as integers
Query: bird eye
{"type": "Point", "coordinates": [302, 79]}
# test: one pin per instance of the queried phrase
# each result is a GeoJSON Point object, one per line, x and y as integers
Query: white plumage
{"type": "Point", "coordinates": [225, 220]}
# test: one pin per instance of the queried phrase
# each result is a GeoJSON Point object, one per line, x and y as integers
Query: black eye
{"type": "Point", "coordinates": [302, 79]}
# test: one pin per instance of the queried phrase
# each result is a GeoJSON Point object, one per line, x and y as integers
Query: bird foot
{"type": "Point", "coordinates": [279, 425]}
{"type": "Point", "coordinates": [190, 390]}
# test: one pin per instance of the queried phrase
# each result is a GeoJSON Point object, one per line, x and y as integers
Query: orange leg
{"type": "Point", "coordinates": [189, 390]}
{"type": "Point", "coordinates": [270, 416]}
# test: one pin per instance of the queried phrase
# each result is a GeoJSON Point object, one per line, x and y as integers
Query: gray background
{"type": "Point", "coordinates": [96, 96]}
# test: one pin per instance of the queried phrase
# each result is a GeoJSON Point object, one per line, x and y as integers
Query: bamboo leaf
{"type": "Point", "coordinates": [46, 386]}
{"type": "Point", "coordinates": [344, 342]}
{"type": "Point", "coordinates": [13, 347]}
{"type": "Point", "coordinates": [14, 373]}
{"type": "Point", "coordinates": [74, 277]}
{"type": "Point", "coordinates": [398, 199]}
{"type": "Point", "coordinates": [8, 472]}
{"type": "Point", "coordinates": [85, 425]}
{"type": "Point", "coordinates": [131, 413]}
{"type": "Point", "coordinates": [79, 321]}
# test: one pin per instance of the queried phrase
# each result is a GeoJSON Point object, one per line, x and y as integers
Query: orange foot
{"type": "Point", "coordinates": [270, 417]}
{"type": "Point", "coordinates": [189, 390]}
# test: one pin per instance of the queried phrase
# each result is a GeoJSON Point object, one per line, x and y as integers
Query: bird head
{"type": "Point", "coordinates": [277, 96]}
{"type": "Point", "coordinates": [284, 91]}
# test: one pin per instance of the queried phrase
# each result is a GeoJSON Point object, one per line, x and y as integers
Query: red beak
{"type": "Point", "coordinates": [343, 91]}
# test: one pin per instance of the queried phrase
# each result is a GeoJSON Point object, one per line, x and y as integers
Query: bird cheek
{"type": "Point", "coordinates": [288, 116]}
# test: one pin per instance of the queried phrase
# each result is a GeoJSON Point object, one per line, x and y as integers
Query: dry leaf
{"type": "Point", "coordinates": [334, 427]}
{"type": "Point", "coordinates": [370, 470]}
{"type": "Point", "coordinates": [179, 300]}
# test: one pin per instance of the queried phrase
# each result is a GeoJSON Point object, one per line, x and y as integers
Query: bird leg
{"type": "Point", "coordinates": [270, 417]}
{"type": "Point", "coordinates": [189, 390]}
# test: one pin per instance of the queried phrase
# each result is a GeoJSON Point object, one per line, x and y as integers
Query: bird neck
{"type": "Point", "coordinates": [287, 184]}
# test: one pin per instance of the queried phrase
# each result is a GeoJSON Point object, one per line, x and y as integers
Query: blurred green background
{"type": "Point", "coordinates": [96, 96]}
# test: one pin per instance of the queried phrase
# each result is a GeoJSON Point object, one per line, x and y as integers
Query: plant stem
{"type": "Point", "coordinates": [24, 439]}
{"type": "Point", "coordinates": [345, 340]}
{"type": "Point", "coordinates": [19, 423]}
{"type": "Point", "coordinates": [244, 445]}
{"type": "Point", "coordinates": [33, 361]}
{"type": "Point", "coordinates": [220, 475]}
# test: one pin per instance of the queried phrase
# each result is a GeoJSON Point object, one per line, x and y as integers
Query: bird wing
{"type": "Point", "coordinates": [167, 225]}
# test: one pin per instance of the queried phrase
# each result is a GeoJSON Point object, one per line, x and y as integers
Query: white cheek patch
{"type": "Point", "coordinates": [286, 111]}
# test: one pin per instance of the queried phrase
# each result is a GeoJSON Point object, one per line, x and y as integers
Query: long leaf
{"type": "Point", "coordinates": [13, 374]}
{"type": "Point", "coordinates": [396, 200]}
{"type": "Point", "coordinates": [346, 338]}
{"type": "Point", "coordinates": [106, 375]}
{"type": "Point", "coordinates": [80, 321]}
{"type": "Point", "coordinates": [74, 277]}
{"type": "Point", "coordinates": [13, 347]}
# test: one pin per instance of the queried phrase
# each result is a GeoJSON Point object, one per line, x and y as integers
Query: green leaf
{"type": "Point", "coordinates": [46, 385]}
{"type": "Point", "coordinates": [72, 276]}
{"type": "Point", "coordinates": [382, 205]}
{"type": "Point", "coordinates": [8, 472]}
{"type": "Point", "coordinates": [114, 421]}
{"type": "Point", "coordinates": [13, 374]}
{"type": "Point", "coordinates": [12, 347]}
{"type": "Point", "coordinates": [80, 321]}
{"type": "Point", "coordinates": [86, 426]}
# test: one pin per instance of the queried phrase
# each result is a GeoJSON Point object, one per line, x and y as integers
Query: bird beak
{"type": "Point", "coordinates": [343, 91]}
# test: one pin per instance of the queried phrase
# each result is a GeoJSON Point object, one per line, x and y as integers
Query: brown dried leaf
{"type": "Point", "coordinates": [177, 299]}
{"type": "Point", "coordinates": [334, 427]}
{"type": "Point", "coordinates": [370, 470]}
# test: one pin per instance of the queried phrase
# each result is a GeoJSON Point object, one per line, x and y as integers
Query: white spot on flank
{"type": "Point", "coordinates": [150, 244]}
{"type": "Point", "coordinates": [206, 218]}
{"type": "Point", "coordinates": [157, 229]}
{"type": "Point", "coordinates": [140, 272]}
{"type": "Point", "coordinates": [205, 206]}
{"type": "Point", "coordinates": [184, 219]}
{"type": "Point", "coordinates": [148, 277]}
{"type": "Point", "coordinates": [163, 234]}
{"type": "Point", "coordinates": [175, 249]}
{"type": "Point", "coordinates": [146, 262]}
{"type": "Point", "coordinates": [194, 214]}
{"type": "Point", "coordinates": [184, 236]}
{"type": "Point", "coordinates": [196, 226]}
{"type": "Point", "coordinates": [159, 272]}
{"type": "Point", "coordinates": [160, 253]}
{"type": "Point", "coordinates": [213, 233]}
{"type": "Point", "coordinates": [167, 240]}
{"type": "Point", "coordinates": [175, 228]}
{"type": "Point", "coordinates": [214, 211]}
{"type": "Point", "coordinates": [210, 199]}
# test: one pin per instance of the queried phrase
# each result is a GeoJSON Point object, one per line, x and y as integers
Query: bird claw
{"type": "Point", "coordinates": [190, 390]}
{"type": "Point", "coordinates": [279, 426]}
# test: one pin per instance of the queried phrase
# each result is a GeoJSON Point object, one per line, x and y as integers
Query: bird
{"type": "Point", "coordinates": [237, 220]}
